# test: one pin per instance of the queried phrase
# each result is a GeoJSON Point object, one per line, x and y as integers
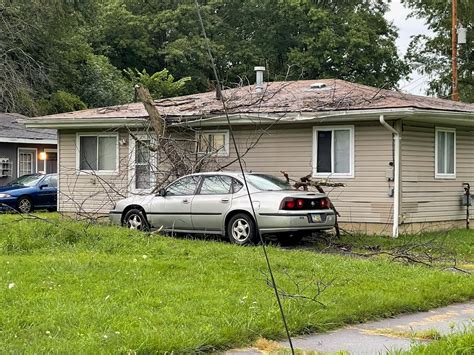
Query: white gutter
{"type": "Point", "coordinates": [38, 141]}
{"type": "Point", "coordinates": [396, 177]}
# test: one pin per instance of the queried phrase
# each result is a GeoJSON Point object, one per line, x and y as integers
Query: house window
{"type": "Point", "coordinates": [26, 161]}
{"type": "Point", "coordinates": [210, 142]}
{"type": "Point", "coordinates": [98, 153]}
{"type": "Point", "coordinates": [142, 165]}
{"type": "Point", "coordinates": [333, 152]}
{"type": "Point", "coordinates": [445, 142]}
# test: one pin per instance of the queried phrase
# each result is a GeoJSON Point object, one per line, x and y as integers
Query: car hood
{"type": "Point", "coordinates": [8, 189]}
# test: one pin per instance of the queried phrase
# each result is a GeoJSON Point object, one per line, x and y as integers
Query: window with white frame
{"type": "Point", "coordinates": [333, 152]}
{"type": "Point", "coordinates": [213, 142]}
{"type": "Point", "coordinates": [143, 171]}
{"type": "Point", "coordinates": [445, 142]}
{"type": "Point", "coordinates": [98, 152]}
{"type": "Point", "coordinates": [26, 161]}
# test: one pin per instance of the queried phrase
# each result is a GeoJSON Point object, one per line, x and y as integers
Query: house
{"type": "Point", "coordinates": [402, 158]}
{"type": "Point", "coordinates": [25, 150]}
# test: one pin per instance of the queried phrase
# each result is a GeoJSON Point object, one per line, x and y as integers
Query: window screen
{"type": "Point", "coordinates": [342, 151]}
{"type": "Point", "coordinates": [334, 151]}
{"type": "Point", "coordinates": [446, 152]}
{"type": "Point", "coordinates": [88, 153]}
{"type": "Point", "coordinates": [97, 153]}
{"type": "Point", "coordinates": [210, 142]}
{"type": "Point", "coordinates": [107, 153]}
{"type": "Point", "coordinates": [142, 165]}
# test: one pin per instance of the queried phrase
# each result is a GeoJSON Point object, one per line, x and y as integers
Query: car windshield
{"type": "Point", "coordinates": [26, 180]}
{"type": "Point", "coordinates": [267, 182]}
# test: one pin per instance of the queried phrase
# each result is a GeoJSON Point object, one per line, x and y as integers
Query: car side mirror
{"type": "Point", "coordinates": [162, 192]}
{"type": "Point", "coordinates": [43, 186]}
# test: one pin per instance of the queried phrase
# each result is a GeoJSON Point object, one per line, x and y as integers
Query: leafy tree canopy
{"type": "Point", "coordinates": [96, 50]}
{"type": "Point", "coordinates": [431, 55]}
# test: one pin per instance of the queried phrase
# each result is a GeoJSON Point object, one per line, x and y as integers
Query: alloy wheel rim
{"type": "Point", "coordinates": [135, 222]}
{"type": "Point", "coordinates": [240, 230]}
{"type": "Point", "coordinates": [25, 205]}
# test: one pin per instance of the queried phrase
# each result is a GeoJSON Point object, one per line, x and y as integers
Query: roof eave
{"type": "Point", "coordinates": [430, 115]}
{"type": "Point", "coordinates": [38, 141]}
{"type": "Point", "coordinates": [86, 123]}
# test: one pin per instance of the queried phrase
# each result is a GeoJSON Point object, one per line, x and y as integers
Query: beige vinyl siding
{"type": "Point", "coordinates": [425, 198]}
{"type": "Point", "coordinates": [88, 193]}
{"type": "Point", "coordinates": [290, 148]}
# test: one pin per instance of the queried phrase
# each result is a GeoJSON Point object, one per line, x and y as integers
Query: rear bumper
{"type": "Point", "coordinates": [290, 222]}
{"type": "Point", "coordinates": [115, 217]}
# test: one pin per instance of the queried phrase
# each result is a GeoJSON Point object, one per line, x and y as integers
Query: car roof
{"type": "Point", "coordinates": [229, 173]}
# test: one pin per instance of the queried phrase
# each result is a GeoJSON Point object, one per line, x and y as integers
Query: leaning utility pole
{"type": "Point", "coordinates": [454, 64]}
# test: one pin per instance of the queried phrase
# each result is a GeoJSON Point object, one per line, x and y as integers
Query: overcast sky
{"type": "Point", "coordinates": [407, 27]}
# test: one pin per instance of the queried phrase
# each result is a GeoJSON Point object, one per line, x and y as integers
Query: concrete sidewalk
{"type": "Point", "coordinates": [398, 333]}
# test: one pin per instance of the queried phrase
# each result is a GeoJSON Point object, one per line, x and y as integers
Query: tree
{"type": "Point", "coordinates": [347, 39]}
{"type": "Point", "coordinates": [431, 56]}
{"type": "Point", "coordinates": [160, 84]}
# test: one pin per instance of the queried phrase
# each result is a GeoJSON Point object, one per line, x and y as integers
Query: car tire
{"type": "Point", "coordinates": [136, 219]}
{"type": "Point", "coordinates": [24, 205]}
{"type": "Point", "coordinates": [241, 229]}
{"type": "Point", "coordinates": [293, 238]}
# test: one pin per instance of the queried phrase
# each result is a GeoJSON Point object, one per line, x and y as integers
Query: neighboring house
{"type": "Point", "coordinates": [402, 158]}
{"type": "Point", "coordinates": [25, 150]}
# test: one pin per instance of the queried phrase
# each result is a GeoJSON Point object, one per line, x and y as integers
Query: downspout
{"type": "Point", "coordinates": [396, 177]}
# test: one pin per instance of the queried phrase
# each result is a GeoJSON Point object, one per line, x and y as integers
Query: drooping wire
{"type": "Point", "coordinates": [231, 132]}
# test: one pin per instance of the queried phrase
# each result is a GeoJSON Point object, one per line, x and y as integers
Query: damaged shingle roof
{"type": "Point", "coordinates": [303, 96]}
{"type": "Point", "coordinates": [12, 126]}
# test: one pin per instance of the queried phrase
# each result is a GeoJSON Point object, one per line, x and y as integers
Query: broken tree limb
{"type": "Point", "coordinates": [157, 122]}
{"type": "Point", "coordinates": [306, 182]}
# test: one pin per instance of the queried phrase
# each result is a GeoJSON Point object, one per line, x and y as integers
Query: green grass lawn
{"type": "Point", "coordinates": [72, 287]}
{"type": "Point", "coordinates": [458, 243]}
{"type": "Point", "coordinates": [455, 344]}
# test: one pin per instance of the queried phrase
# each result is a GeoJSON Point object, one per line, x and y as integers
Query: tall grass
{"type": "Point", "coordinates": [73, 287]}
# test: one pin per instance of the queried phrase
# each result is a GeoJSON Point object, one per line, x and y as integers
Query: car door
{"type": "Point", "coordinates": [211, 203]}
{"type": "Point", "coordinates": [175, 211]}
{"type": "Point", "coordinates": [47, 192]}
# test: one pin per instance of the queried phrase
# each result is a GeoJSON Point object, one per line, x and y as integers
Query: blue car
{"type": "Point", "coordinates": [29, 192]}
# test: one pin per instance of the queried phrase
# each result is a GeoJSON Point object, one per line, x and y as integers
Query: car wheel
{"type": "Point", "coordinates": [135, 219]}
{"type": "Point", "coordinates": [24, 205]}
{"type": "Point", "coordinates": [241, 229]}
{"type": "Point", "coordinates": [292, 238]}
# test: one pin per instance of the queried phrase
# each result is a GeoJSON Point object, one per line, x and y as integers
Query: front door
{"type": "Point", "coordinates": [26, 161]}
{"type": "Point", "coordinates": [211, 203]}
{"type": "Point", "coordinates": [175, 211]}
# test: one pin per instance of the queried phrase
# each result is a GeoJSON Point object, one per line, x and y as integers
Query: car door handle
{"type": "Point", "coordinates": [185, 200]}
{"type": "Point", "coordinates": [225, 200]}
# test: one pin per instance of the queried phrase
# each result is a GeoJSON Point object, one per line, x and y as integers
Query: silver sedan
{"type": "Point", "coordinates": [218, 203]}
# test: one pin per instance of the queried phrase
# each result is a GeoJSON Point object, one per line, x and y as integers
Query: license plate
{"type": "Point", "coordinates": [316, 218]}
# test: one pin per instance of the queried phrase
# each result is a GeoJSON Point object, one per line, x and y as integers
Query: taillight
{"type": "Point", "coordinates": [324, 203]}
{"type": "Point", "coordinates": [290, 203]}
{"type": "Point", "coordinates": [299, 203]}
